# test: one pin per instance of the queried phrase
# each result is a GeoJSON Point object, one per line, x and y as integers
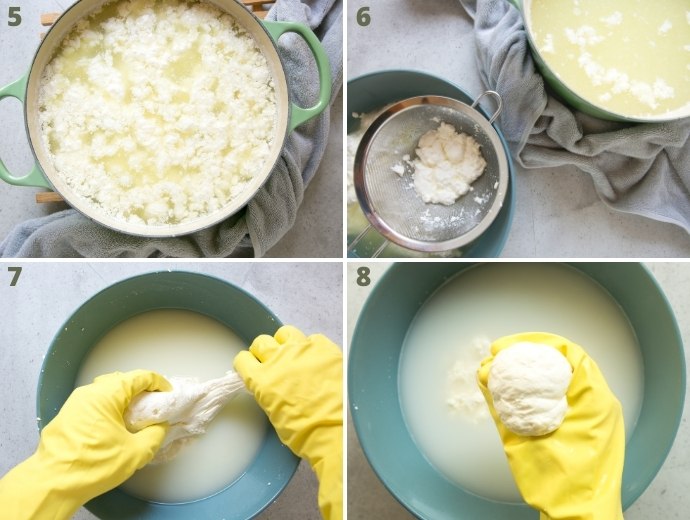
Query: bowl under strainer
{"type": "Point", "coordinates": [389, 200]}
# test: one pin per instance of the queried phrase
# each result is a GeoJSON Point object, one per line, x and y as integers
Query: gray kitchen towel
{"type": "Point", "coordinates": [272, 211]}
{"type": "Point", "coordinates": [636, 168]}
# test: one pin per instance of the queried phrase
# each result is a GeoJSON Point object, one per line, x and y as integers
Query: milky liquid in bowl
{"type": "Point", "coordinates": [184, 343]}
{"type": "Point", "coordinates": [487, 302]}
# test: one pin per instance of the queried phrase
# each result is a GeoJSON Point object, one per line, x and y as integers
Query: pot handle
{"type": "Point", "coordinates": [35, 177]}
{"type": "Point", "coordinates": [300, 115]}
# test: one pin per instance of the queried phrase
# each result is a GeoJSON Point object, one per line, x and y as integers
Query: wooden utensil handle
{"type": "Point", "coordinates": [48, 196]}
{"type": "Point", "coordinates": [49, 18]}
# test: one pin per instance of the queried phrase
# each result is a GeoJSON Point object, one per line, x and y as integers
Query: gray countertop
{"type": "Point", "coordinates": [557, 211]}
{"type": "Point", "coordinates": [667, 495]}
{"type": "Point", "coordinates": [317, 232]}
{"type": "Point", "coordinates": [47, 293]}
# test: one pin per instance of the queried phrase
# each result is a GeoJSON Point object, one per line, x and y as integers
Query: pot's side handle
{"type": "Point", "coordinates": [300, 114]}
{"type": "Point", "coordinates": [35, 177]}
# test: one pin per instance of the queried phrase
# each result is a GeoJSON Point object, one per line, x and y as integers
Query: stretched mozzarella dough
{"type": "Point", "coordinates": [528, 383]}
{"type": "Point", "coordinates": [188, 408]}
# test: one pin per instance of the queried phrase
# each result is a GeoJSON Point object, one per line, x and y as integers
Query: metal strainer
{"type": "Point", "coordinates": [389, 200]}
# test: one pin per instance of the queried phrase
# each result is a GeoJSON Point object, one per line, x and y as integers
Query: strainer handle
{"type": "Point", "coordinates": [499, 103]}
{"type": "Point", "coordinates": [380, 249]}
{"type": "Point", "coordinates": [359, 237]}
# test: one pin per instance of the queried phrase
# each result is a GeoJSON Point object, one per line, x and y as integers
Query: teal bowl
{"type": "Point", "coordinates": [377, 415]}
{"type": "Point", "coordinates": [242, 499]}
{"type": "Point", "coordinates": [373, 91]}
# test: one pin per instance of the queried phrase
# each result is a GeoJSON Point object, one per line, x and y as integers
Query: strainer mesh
{"type": "Point", "coordinates": [393, 197]}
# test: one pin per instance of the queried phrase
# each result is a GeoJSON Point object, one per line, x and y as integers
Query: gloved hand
{"type": "Point", "coordinates": [297, 380]}
{"type": "Point", "coordinates": [84, 451]}
{"type": "Point", "coordinates": [575, 472]}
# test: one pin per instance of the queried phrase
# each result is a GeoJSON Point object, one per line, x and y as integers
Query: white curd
{"type": "Point", "coordinates": [628, 56]}
{"type": "Point", "coordinates": [158, 112]}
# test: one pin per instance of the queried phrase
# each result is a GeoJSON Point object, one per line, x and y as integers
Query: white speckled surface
{"type": "Point", "coordinates": [317, 232]}
{"type": "Point", "coordinates": [557, 211]}
{"type": "Point", "coordinates": [307, 295]}
{"type": "Point", "coordinates": [666, 497]}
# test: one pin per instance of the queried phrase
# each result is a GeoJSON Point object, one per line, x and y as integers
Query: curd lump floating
{"type": "Point", "coordinates": [158, 112]}
{"type": "Point", "coordinates": [631, 57]}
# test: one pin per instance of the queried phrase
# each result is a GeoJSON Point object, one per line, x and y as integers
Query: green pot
{"type": "Point", "coordinates": [568, 95]}
{"type": "Point", "coordinates": [377, 414]}
{"type": "Point", "coordinates": [247, 317]}
{"type": "Point", "coordinates": [289, 115]}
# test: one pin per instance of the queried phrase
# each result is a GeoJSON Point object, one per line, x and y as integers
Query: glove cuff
{"type": "Point", "coordinates": [328, 466]}
{"type": "Point", "coordinates": [33, 490]}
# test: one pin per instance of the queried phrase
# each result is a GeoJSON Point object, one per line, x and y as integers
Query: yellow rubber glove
{"type": "Point", "coordinates": [297, 380]}
{"type": "Point", "coordinates": [84, 451]}
{"type": "Point", "coordinates": [575, 472]}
